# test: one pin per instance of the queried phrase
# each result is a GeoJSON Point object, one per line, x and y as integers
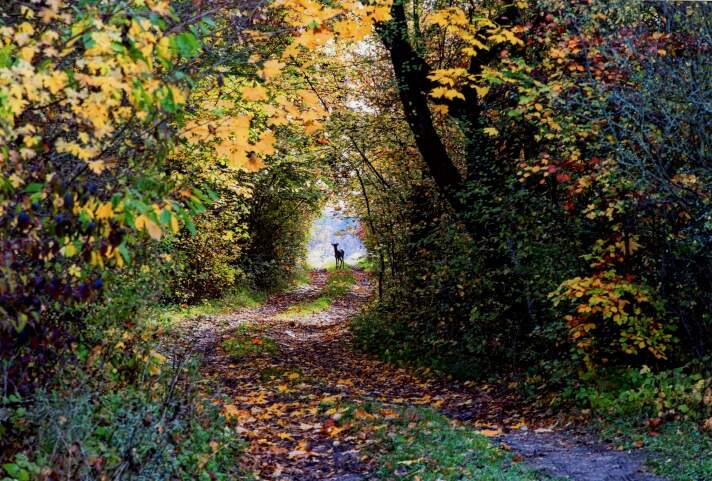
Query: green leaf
{"type": "Point", "coordinates": [190, 225]}
{"type": "Point", "coordinates": [186, 45]}
{"type": "Point", "coordinates": [165, 217]}
{"type": "Point", "coordinates": [125, 252]}
{"type": "Point", "coordinates": [6, 56]}
{"type": "Point", "coordinates": [33, 188]}
{"type": "Point", "coordinates": [11, 469]}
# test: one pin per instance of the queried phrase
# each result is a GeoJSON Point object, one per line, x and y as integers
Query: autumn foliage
{"type": "Point", "coordinates": [532, 180]}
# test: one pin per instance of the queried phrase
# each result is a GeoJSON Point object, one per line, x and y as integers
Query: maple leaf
{"type": "Point", "coordinates": [266, 144]}
{"type": "Point", "coordinates": [271, 69]}
{"type": "Point", "coordinates": [161, 7]}
{"type": "Point", "coordinates": [56, 81]}
{"type": "Point", "coordinates": [255, 93]}
{"type": "Point", "coordinates": [96, 166]}
{"type": "Point", "coordinates": [105, 211]}
{"type": "Point", "coordinates": [481, 91]}
{"type": "Point", "coordinates": [441, 109]}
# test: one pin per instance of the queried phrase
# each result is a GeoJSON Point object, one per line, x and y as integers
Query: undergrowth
{"type": "Point", "coordinates": [99, 422]}
{"type": "Point", "coordinates": [667, 412]}
{"type": "Point", "coordinates": [235, 299]}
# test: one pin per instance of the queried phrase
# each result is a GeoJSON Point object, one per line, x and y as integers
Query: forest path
{"type": "Point", "coordinates": [296, 388]}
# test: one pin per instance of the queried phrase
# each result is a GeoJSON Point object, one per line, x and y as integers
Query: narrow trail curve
{"type": "Point", "coordinates": [286, 401]}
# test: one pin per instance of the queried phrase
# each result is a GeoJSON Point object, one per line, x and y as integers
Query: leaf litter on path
{"type": "Point", "coordinates": [300, 407]}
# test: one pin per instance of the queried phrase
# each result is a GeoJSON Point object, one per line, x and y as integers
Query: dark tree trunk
{"type": "Point", "coordinates": [411, 73]}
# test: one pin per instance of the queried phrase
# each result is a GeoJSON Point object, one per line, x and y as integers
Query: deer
{"type": "Point", "coordinates": [339, 254]}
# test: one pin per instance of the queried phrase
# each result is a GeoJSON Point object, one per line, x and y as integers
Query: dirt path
{"type": "Point", "coordinates": [287, 399]}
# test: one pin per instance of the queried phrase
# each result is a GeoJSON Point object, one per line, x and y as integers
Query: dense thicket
{"type": "Point", "coordinates": [575, 220]}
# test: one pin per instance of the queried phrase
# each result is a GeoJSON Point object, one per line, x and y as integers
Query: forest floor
{"type": "Point", "coordinates": [310, 407]}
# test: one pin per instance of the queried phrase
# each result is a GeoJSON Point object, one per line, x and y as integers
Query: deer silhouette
{"type": "Point", "coordinates": [339, 254]}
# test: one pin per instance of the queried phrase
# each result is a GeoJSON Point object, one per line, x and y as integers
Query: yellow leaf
{"type": "Point", "coordinates": [153, 229]}
{"type": "Point", "coordinates": [441, 109]}
{"type": "Point", "coordinates": [69, 250]}
{"type": "Point", "coordinates": [144, 223]}
{"type": "Point", "coordinates": [266, 144]}
{"type": "Point", "coordinates": [312, 127]}
{"type": "Point", "coordinates": [56, 81]}
{"type": "Point", "coordinates": [105, 211]}
{"type": "Point", "coordinates": [161, 7]}
{"type": "Point", "coordinates": [27, 53]}
{"type": "Point", "coordinates": [450, 94]}
{"type": "Point", "coordinates": [163, 48]}
{"type": "Point", "coordinates": [481, 91]}
{"type": "Point", "coordinates": [179, 97]}
{"type": "Point", "coordinates": [309, 98]}
{"type": "Point", "coordinates": [271, 69]}
{"type": "Point", "coordinates": [254, 94]}
{"type": "Point", "coordinates": [96, 166]}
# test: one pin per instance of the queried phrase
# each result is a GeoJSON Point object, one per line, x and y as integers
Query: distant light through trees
{"type": "Point", "coordinates": [334, 225]}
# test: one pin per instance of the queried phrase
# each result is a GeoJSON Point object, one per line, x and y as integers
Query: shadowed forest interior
{"type": "Point", "coordinates": [522, 190]}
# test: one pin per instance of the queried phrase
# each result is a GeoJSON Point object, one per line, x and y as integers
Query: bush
{"type": "Point", "coordinates": [119, 410]}
{"type": "Point", "coordinates": [206, 263]}
{"type": "Point", "coordinates": [284, 204]}
{"type": "Point", "coordinates": [161, 432]}
{"type": "Point", "coordinates": [641, 394]}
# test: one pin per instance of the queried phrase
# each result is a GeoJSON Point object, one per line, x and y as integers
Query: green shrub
{"type": "Point", "coordinates": [641, 394]}
{"type": "Point", "coordinates": [112, 406]}
{"type": "Point", "coordinates": [206, 262]}
{"type": "Point", "coordinates": [157, 430]}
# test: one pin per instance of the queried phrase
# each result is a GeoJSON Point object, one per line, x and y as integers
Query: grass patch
{"type": "Point", "coordinates": [679, 450]}
{"type": "Point", "coordinates": [248, 341]}
{"type": "Point", "coordinates": [337, 285]}
{"type": "Point", "coordinates": [301, 276]}
{"type": "Point", "coordinates": [307, 308]}
{"type": "Point", "coordinates": [682, 452]}
{"type": "Point", "coordinates": [419, 443]}
{"type": "Point", "coordinates": [239, 298]}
